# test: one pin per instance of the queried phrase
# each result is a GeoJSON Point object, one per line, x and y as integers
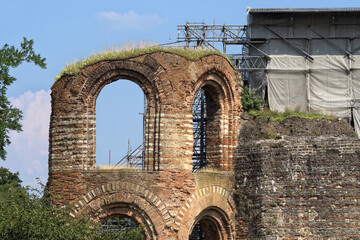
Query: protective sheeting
{"type": "Point", "coordinates": [286, 78]}
{"type": "Point", "coordinates": [356, 115]}
{"type": "Point", "coordinates": [326, 81]}
{"type": "Point", "coordinates": [295, 24]}
{"type": "Point", "coordinates": [258, 83]}
{"type": "Point", "coordinates": [330, 84]}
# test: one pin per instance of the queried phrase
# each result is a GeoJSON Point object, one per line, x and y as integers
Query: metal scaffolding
{"type": "Point", "coordinates": [201, 34]}
{"type": "Point", "coordinates": [197, 35]}
{"type": "Point", "coordinates": [135, 159]}
{"type": "Point", "coordinates": [199, 130]}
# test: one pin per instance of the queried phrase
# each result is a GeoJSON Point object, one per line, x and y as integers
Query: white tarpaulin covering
{"type": "Point", "coordinates": [326, 85]}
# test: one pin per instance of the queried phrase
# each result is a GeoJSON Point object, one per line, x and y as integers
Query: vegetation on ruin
{"type": "Point", "coordinates": [129, 52]}
{"type": "Point", "coordinates": [281, 116]}
{"type": "Point", "coordinates": [251, 104]}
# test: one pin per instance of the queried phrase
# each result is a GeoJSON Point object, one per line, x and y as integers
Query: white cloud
{"type": "Point", "coordinates": [129, 20]}
{"type": "Point", "coordinates": [28, 151]}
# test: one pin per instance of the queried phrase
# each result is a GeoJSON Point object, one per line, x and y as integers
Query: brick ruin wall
{"type": "Point", "coordinates": [287, 188]}
{"type": "Point", "coordinates": [167, 199]}
{"type": "Point", "coordinates": [299, 187]}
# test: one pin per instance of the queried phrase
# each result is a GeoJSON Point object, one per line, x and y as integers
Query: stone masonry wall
{"type": "Point", "coordinates": [299, 187]}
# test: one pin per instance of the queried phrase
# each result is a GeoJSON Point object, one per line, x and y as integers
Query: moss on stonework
{"type": "Point", "coordinates": [190, 54]}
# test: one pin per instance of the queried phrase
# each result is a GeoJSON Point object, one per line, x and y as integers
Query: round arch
{"type": "Point", "coordinates": [80, 92]}
{"type": "Point", "coordinates": [126, 199]}
{"type": "Point", "coordinates": [223, 112]}
{"type": "Point", "coordinates": [214, 206]}
{"type": "Point", "coordinates": [132, 211]}
{"type": "Point", "coordinates": [144, 77]}
{"type": "Point", "coordinates": [120, 120]}
{"type": "Point", "coordinates": [214, 223]}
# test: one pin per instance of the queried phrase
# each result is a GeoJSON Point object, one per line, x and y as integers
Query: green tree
{"type": "Point", "coordinates": [24, 215]}
{"type": "Point", "coordinates": [11, 57]}
{"type": "Point", "coordinates": [249, 100]}
{"type": "Point", "coordinates": [7, 177]}
{"type": "Point", "coordinates": [28, 215]}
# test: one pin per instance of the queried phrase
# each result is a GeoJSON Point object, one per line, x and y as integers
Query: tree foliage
{"type": "Point", "coordinates": [9, 178]}
{"type": "Point", "coordinates": [11, 57]}
{"type": "Point", "coordinates": [133, 234]}
{"type": "Point", "coordinates": [249, 100]}
{"type": "Point", "coordinates": [28, 215]}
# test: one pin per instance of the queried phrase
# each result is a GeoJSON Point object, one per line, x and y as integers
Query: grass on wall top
{"type": "Point", "coordinates": [128, 52]}
{"type": "Point", "coordinates": [281, 116]}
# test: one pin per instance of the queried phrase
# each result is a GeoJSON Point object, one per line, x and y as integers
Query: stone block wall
{"type": "Point", "coordinates": [299, 187]}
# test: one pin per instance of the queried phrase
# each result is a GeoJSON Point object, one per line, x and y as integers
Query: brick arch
{"type": "Point", "coordinates": [213, 61]}
{"type": "Point", "coordinates": [222, 88]}
{"type": "Point", "coordinates": [170, 82]}
{"type": "Point", "coordinates": [219, 74]}
{"type": "Point", "coordinates": [219, 81]}
{"type": "Point", "coordinates": [144, 75]}
{"type": "Point", "coordinates": [133, 212]}
{"type": "Point", "coordinates": [210, 197]}
{"type": "Point", "coordinates": [78, 94]}
{"type": "Point", "coordinates": [109, 71]}
{"type": "Point", "coordinates": [215, 224]}
{"type": "Point", "coordinates": [115, 198]}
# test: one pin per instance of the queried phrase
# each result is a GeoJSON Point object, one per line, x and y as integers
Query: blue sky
{"type": "Point", "coordinates": [67, 30]}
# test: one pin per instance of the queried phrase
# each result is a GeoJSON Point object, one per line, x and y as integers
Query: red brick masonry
{"type": "Point", "coordinates": [305, 187]}
{"type": "Point", "coordinates": [167, 199]}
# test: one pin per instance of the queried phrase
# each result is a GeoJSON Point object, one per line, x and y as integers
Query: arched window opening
{"type": "Point", "coordinates": [120, 127]}
{"type": "Point", "coordinates": [123, 227]}
{"type": "Point", "coordinates": [199, 130]}
{"type": "Point", "coordinates": [207, 114]}
{"type": "Point", "coordinates": [197, 233]}
{"type": "Point", "coordinates": [211, 224]}
{"type": "Point", "coordinates": [205, 229]}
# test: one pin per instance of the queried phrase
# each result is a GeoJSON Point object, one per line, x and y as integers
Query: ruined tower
{"type": "Point", "coordinates": [166, 198]}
